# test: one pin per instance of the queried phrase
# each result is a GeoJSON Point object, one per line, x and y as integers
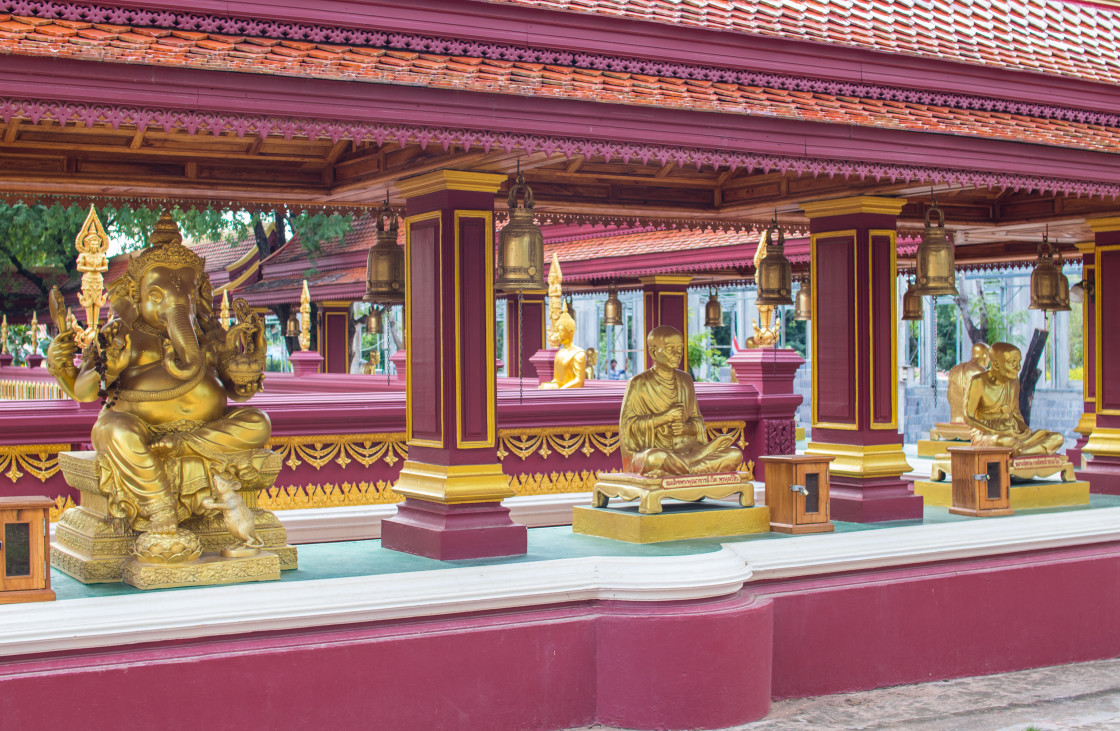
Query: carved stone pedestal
{"type": "Point", "coordinates": [92, 546]}
{"type": "Point", "coordinates": [210, 569]}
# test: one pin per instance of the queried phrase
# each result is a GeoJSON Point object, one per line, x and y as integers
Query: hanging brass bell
{"type": "Point", "coordinates": [1063, 287]}
{"type": "Point", "coordinates": [713, 310]}
{"type": "Point", "coordinates": [1044, 279]}
{"type": "Point", "coordinates": [775, 275]}
{"type": "Point", "coordinates": [520, 245]}
{"type": "Point", "coordinates": [612, 309]}
{"type": "Point", "coordinates": [385, 262]}
{"type": "Point", "coordinates": [912, 304]}
{"type": "Point", "coordinates": [292, 330]}
{"type": "Point", "coordinates": [803, 303]}
{"type": "Point", "coordinates": [936, 262]}
{"type": "Point", "coordinates": [374, 321]}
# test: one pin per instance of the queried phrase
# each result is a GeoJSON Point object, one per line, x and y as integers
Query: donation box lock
{"type": "Point", "coordinates": [981, 481]}
{"type": "Point", "coordinates": [797, 493]}
{"type": "Point", "coordinates": [25, 549]}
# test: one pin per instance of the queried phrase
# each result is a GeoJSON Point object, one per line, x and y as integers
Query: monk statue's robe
{"type": "Point", "coordinates": [663, 433]}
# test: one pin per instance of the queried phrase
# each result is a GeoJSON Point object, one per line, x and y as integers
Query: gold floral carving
{"type": "Point", "coordinates": [39, 460]}
{"type": "Point", "coordinates": [317, 451]}
{"type": "Point", "coordinates": [587, 439]}
{"type": "Point", "coordinates": [62, 504]}
{"type": "Point", "coordinates": [296, 497]}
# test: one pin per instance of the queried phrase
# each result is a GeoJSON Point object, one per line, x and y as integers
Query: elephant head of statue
{"type": "Point", "coordinates": [167, 292]}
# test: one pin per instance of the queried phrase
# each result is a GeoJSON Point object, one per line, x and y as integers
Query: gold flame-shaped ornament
{"type": "Point", "coordinates": [305, 319]}
{"type": "Point", "coordinates": [92, 244]}
{"type": "Point", "coordinates": [4, 335]}
{"type": "Point", "coordinates": [555, 301]}
{"type": "Point", "coordinates": [224, 312]}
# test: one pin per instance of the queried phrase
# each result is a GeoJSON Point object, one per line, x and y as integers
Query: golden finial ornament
{"type": "Point", "coordinates": [224, 313]}
{"type": "Point", "coordinates": [92, 242]}
{"type": "Point", "coordinates": [305, 318]}
{"type": "Point", "coordinates": [555, 302]}
{"type": "Point", "coordinates": [4, 336]}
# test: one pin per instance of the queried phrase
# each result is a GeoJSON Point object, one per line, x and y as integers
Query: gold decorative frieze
{"type": "Point", "coordinates": [317, 451]}
{"type": "Point", "coordinates": [326, 495]}
{"type": "Point", "coordinates": [587, 439]}
{"type": "Point", "coordinates": [39, 460]}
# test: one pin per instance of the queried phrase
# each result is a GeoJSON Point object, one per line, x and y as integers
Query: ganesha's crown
{"type": "Point", "coordinates": [166, 250]}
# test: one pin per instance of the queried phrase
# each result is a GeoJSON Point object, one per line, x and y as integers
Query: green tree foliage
{"type": "Point", "coordinates": [796, 335]}
{"type": "Point", "coordinates": [37, 241]}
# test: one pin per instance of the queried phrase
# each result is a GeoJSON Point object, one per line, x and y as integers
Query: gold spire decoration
{"type": "Point", "coordinates": [224, 314]}
{"type": "Point", "coordinates": [92, 242]}
{"type": "Point", "coordinates": [34, 332]}
{"type": "Point", "coordinates": [555, 302]}
{"type": "Point", "coordinates": [305, 319]}
{"type": "Point", "coordinates": [4, 335]}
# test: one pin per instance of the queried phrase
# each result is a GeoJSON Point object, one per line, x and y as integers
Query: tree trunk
{"type": "Point", "coordinates": [1030, 372]}
{"type": "Point", "coordinates": [977, 332]}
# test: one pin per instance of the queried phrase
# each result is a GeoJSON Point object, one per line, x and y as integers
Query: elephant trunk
{"type": "Point", "coordinates": [187, 360]}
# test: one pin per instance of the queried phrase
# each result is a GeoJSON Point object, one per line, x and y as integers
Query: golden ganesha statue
{"type": "Point", "coordinates": [168, 444]}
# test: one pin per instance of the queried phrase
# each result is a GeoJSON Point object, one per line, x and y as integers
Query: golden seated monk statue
{"type": "Point", "coordinates": [991, 411]}
{"type": "Point", "coordinates": [960, 376]}
{"type": "Point", "coordinates": [165, 367]}
{"type": "Point", "coordinates": [665, 447]}
{"type": "Point", "coordinates": [570, 363]}
{"type": "Point", "coordinates": [992, 408]}
{"type": "Point", "coordinates": [662, 431]}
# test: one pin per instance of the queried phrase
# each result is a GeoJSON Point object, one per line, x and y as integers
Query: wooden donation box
{"type": "Point", "coordinates": [24, 550]}
{"type": "Point", "coordinates": [797, 493]}
{"type": "Point", "coordinates": [981, 481]}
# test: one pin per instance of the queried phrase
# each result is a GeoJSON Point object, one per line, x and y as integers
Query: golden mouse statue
{"type": "Point", "coordinates": [663, 433]}
{"type": "Point", "coordinates": [166, 368]}
{"type": "Point", "coordinates": [991, 408]}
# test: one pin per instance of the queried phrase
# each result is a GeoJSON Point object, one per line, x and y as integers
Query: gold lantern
{"type": "Point", "coordinates": [373, 321]}
{"type": "Point", "coordinates": [1044, 279]}
{"type": "Point", "coordinates": [385, 261]}
{"type": "Point", "coordinates": [520, 245]}
{"type": "Point", "coordinates": [713, 311]}
{"type": "Point", "coordinates": [935, 265]}
{"type": "Point", "coordinates": [612, 309]}
{"type": "Point", "coordinates": [803, 303]}
{"type": "Point", "coordinates": [912, 304]}
{"type": "Point", "coordinates": [293, 326]}
{"type": "Point", "coordinates": [774, 276]}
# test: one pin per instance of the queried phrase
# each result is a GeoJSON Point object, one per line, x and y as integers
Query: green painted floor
{"type": "Point", "coordinates": [367, 558]}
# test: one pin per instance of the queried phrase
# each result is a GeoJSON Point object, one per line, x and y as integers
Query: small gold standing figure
{"type": "Point", "coordinates": [238, 518]}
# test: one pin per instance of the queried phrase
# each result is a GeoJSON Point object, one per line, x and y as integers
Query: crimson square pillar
{"type": "Point", "coordinates": [1088, 418]}
{"type": "Point", "coordinates": [854, 361]}
{"type": "Point", "coordinates": [665, 302]}
{"type": "Point", "coordinates": [452, 482]}
{"type": "Point", "coordinates": [532, 328]}
{"type": "Point", "coordinates": [334, 336]}
{"type": "Point", "coordinates": [1102, 468]}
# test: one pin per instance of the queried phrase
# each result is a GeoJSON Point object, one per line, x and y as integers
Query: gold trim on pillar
{"type": "Point", "coordinates": [1101, 225]}
{"type": "Point", "coordinates": [862, 460]}
{"type": "Point", "coordinates": [1088, 272]}
{"type": "Point", "coordinates": [453, 484]}
{"type": "Point", "coordinates": [1103, 441]}
{"type": "Point", "coordinates": [491, 382]}
{"type": "Point", "coordinates": [408, 223]}
{"type": "Point", "coordinates": [438, 180]}
{"type": "Point", "coordinates": [678, 280]}
{"type": "Point", "coordinates": [851, 234]}
{"type": "Point", "coordinates": [893, 235]}
{"type": "Point", "coordinates": [1098, 329]}
{"type": "Point", "coordinates": [1087, 423]}
{"type": "Point", "coordinates": [854, 204]}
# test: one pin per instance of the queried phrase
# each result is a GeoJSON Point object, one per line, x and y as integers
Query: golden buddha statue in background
{"type": "Point", "coordinates": [592, 361]}
{"type": "Point", "coordinates": [991, 408]}
{"type": "Point", "coordinates": [570, 363]}
{"type": "Point", "coordinates": [166, 368]}
{"type": "Point", "coordinates": [960, 376]}
{"type": "Point", "coordinates": [662, 431]}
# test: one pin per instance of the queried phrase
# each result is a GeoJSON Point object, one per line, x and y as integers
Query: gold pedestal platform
{"type": "Point", "coordinates": [1024, 495]}
{"type": "Point", "coordinates": [1034, 467]}
{"type": "Point", "coordinates": [675, 523]}
{"type": "Point", "coordinates": [937, 447]}
{"type": "Point", "coordinates": [210, 569]}
{"type": "Point", "coordinates": [92, 546]}
{"type": "Point", "coordinates": [650, 491]}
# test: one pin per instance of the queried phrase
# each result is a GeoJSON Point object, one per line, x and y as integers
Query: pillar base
{"type": "Point", "coordinates": [1103, 474]}
{"type": "Point", "coordinates": [544, 362]}
{"type": "Point", "coordinates": [34, 360]}
{"type": "Point", "coordinates": [453, 532]}
{"type": "Point", "coordinates": [866, 484]}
